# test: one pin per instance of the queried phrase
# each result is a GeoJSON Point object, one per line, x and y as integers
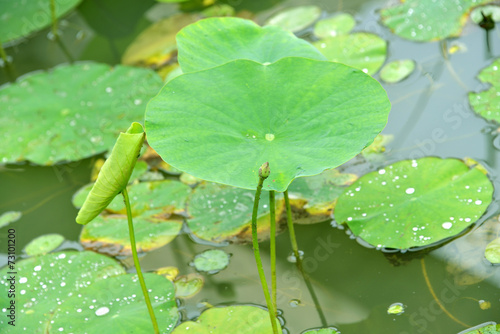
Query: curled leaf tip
{"type": "Point", "coordinates": [264, 170]}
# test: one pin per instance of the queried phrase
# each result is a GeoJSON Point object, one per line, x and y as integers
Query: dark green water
{"type": "Point", "coordinates": [355, 284]}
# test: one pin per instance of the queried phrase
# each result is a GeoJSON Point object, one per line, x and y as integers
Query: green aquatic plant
{"type": "Point", "coordinates": [113, 179]}
{"type": "Point", "coordinates": [298, 116]}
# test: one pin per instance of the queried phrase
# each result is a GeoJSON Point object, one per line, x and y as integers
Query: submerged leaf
{"type": "Point", "coordinates": [230, 319]}
{"type": "Point", "coordinates": [189, 285]}
{"type": "Point", "coordinates": [117, 304]}
{"type": "Point", "coordinates": [216, 41]}
{"type": "Point", "coordinates": [428, 20]}
{"type": "Point", "coordinates": [114, 174]}
{"type": "Point", "coordinates": [71, 112]}
{"type": "Point", "coordinates": [362, 50]}
{"type": "Point", "coordinates": [301, 115]}
{"type": "Point", "coordinates": [492, 252]}
{"type": "Point", "coordinates": [337, 25]}
{"type": "Point", "coordinates": [487, 103]}
{"type": "Point", "coordinates": [414, 202]}
{"type": "Point", "coordinates": [40, 293]}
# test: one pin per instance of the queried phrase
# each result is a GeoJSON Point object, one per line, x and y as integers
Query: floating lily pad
{"type": "Point", "coordinates": [155, 47]}
{"type": "Point", "coordinates": [492, 252]}
{"type": "Point", "coordinates": [44, 281]}
{"type": "Point", "coordinates": [361, 50]}
{"type": "Point", "coordinates": [321, 331]}
{"type": "Point", "coordinates": [397, 70]}
{"type": "Point", "coordinates": [301, 115]}
{"type": "Point", "coordinates": [211, 261]}
{"type": "Point", "coordinates": [428, 20]}
{"type": "Point", "coordinates": [486, 328]}
{"type": "Point", "coordinates": [152, 205]}
{"type": "Point", "coordinates": [231, 319]}
{"type": "Point", "coordinates": [44, 244]}
{"type": "Point", "coordinates": [9, 217]}
{"type": "Point", "coordinates": [216, 41]}
{"type": "Point", "coordinates": [318, 194]}
{"type": "Point", "coordinates": [188, 286]}
{"type": "Point", "coordinates": [221, 213]}
{"type": "Point", "coordinates": [477, 17]}
{"type": "Point", "coordinates": [414, 202]}
{"type": "Point", "coordinates": [295, 19]}
{"type": "Point", "coordinates": [396, 308]}
{"type": "Point", "coordinates": [71, 112]}
{"type": "Point", "coordinates": [19, 19]}
{"type": "Point", "coordinates": [117, 304]}
{"type": "Point", "coordinates": [340, 24]}
{"type": "Point", "coordinates": [487, 103]}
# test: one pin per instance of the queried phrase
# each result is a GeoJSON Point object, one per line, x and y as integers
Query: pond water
{"type": "Point", "coordinates": [355, 284]}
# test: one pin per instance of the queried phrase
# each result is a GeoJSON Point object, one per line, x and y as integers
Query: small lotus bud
{"type": "Point", "coordinates": [264, 170]}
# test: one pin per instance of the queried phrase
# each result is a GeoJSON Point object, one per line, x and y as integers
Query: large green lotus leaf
{"type": "Point", "coordinates": [361, 50]}
{"type": "Point", "coordinates": [487, 103]}
{"type": "Point", "coordinates": [301, 115]}
{"type": "Point", "coordinates": [221, 213]}
{"type": "Point", "coordinates": [319, 194]}
{"type": "Point", "coordinates": [414, 202]}
{"type": "Point", "coordinates": [117, 305]}
{"type": "Point", "coordinates": [71, 112]}
{"type": "Point", "coordinates": [19, 18]}
{"type": "Point", "coordinates": [109, 234]}
{"type": "Point", "coordinates": [156, 45]}
{"type": "Point", "coordinates": [114, 174]}
{"type": "Point", "coordinates": [428, 20]}
{"type": "Point", "coordinates": [295, 19]}
{"type": "Point", "coordinates": [230, 319]}
{"type": "Point", "coordinates": [216, 41]}
{"type": "Point", "coordinates": [44, 281]}
{"type": "Point", "coordinates": [44, 244]}
{"type": "Point", "coordinates": [487, 328]}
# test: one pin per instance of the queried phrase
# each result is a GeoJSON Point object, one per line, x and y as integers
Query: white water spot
{"type": "Point", "coordinates": [137, 102]}
{"type": "Point", "coordinates": [63, 283]}
{"type": "Point", "coordinates": [349, 219]}
{"type": "Point", "coordinates": [109, 90]}
{"type": "Point", "coordinates": [447, 225]}
{"type": "Point", "coordinates": [23, 280]}
{"type": "Point", "coordinates": [61, 256]}
{"type": "Point", "coordinates": [467, 220]}
{"type": "Point", "coordinates": [37, 268]}
{"type": "Point", "coordinates": [382, 171]}
{"type": "Point", "coordinates": [60, 329]}
{"type": "Point", "coordinates": [410, 191]}
{"type": "Point", "coordinates": [269, 136]}
{"type": "Point", "coordinates": [266, 63]}
{"type": "Point", "coordinates": [102, 311]}
{"type": "Point", "coordinates": [478, 202]}
{"type": "Point", "coordinates": [23, 292]}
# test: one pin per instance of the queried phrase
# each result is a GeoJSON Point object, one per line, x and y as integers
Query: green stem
{"type": "Point", "coordinates": [55, 33]}
{"type": "Point", "coordinates": [9, 70]}
{"type": "Point", "coordinates": [272, 242]}
{"type": "Point", "coordinates": [136, 261]}
{"type": "Point", "coordinates": [255, 242]}
{"type": "Point", "coordinates": [298, 262]}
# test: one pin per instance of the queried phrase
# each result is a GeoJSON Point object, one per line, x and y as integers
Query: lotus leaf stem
{"type": "Point", "coordinates": [9, 70]}
{"type": "Point", "coordinates": [55, 32]}
{"type": "Point", "coordinates": [431, 290]}
{"type": "Point", "coordinates": [263, 174]}
{"type": "Point", "coordinates": [298, 262]}
{"type": "Point", "coordinates": [272, 246]}
{"type": "Point", "coordinates": [136, 261]}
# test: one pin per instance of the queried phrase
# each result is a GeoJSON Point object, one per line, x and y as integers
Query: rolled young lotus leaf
{"type": "Point", "coordinates": [114, 174]}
